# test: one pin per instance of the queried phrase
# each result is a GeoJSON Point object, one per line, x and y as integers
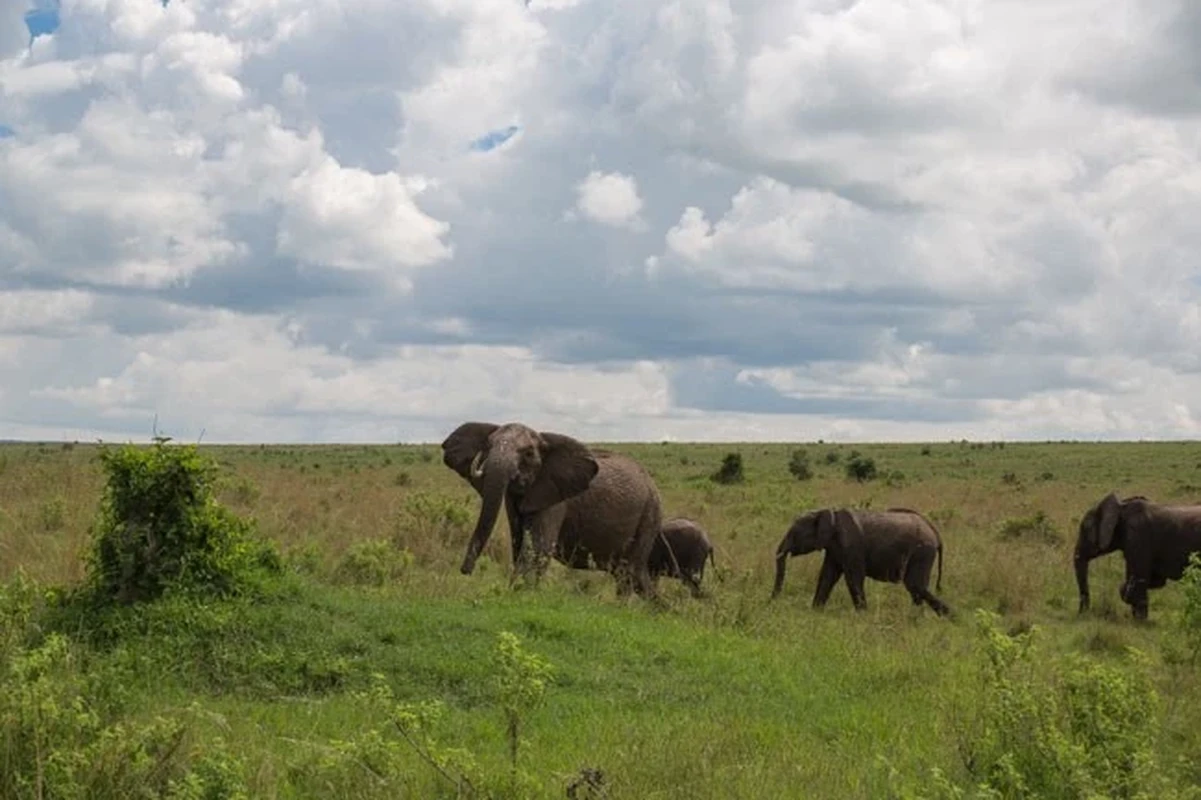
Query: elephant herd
{"type": "Point", "coordinates": [590, 508]}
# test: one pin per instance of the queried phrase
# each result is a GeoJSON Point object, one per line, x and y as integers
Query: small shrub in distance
{"type": "Point", "coordinates": [1036, 527]}
{"type": "Point", "coordinates": [730, 470]}
{"type": "Point", "coordinates": [799, 467]}
{"type": "Point", "coordinates": [160, 527]}
{"type": "Point", "coordinates": [833, 456]}
{"type": "Point", "coordinates": [860, 468]}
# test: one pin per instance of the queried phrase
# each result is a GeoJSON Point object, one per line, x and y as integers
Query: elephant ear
{"type": "Point", "coordinates": [568, 467]}
{"type": "Point", "coordinates": [1110, 510]}
{"type": "Point", "coordinates": [826, 529]}
{"type": "Point", "coordinates": [463, 444]}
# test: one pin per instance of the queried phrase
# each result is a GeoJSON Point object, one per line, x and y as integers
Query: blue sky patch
{"type": "Point", "coordinates": [42, 21]}
{"type": "Point", "coordinates": [494, 139]}
{"type": "Point", "coordinates": [6, 131]}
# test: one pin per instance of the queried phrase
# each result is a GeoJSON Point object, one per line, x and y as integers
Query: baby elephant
{"type": "Point", "coordinates": [894, 546]}
{"type": "Point", "coordinates": [680, 551]}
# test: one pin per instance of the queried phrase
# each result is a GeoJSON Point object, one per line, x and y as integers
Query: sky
{"type": "Point", "coordinates": [691, 220]}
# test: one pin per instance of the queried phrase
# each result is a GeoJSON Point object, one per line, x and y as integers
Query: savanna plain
{"type": "Point", "coordinates": [363, 664]}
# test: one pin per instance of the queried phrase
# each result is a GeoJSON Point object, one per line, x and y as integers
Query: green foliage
{"type": "Point", "coordinates": [1080, 728]}
{"type": "Point", "coordinates": [730, 470]}
{"type": "Point", "coordinates": [59, 737]}
{"type": "Point", "coordinates": [860, 468]}
{"type": "Point", "coordinates": [521, 681]}
{"type": "Point", "coordinates": [160, 528]}
{"type": "Point", "coordinates": [1188, 623]}
{"type": "Point", "coordinates": [1037, 527]}
{"type": "Point", "coordinates": [373, 562]}
{"type": "Point", "coordinates": [798, 465]}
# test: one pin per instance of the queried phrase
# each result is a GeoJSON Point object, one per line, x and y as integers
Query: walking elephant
{"type": "Point", "coordinates": [894, 546]}
{"type": "Point", "coordinates": [680, 551]}
{"type": "Point", "coordinates": [1155, 540]}
{"type": "Point", "coordinates": [587, 508]}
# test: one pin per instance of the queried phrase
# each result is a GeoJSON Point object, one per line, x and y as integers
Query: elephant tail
{"type": "Point", "coordinates": [938, 583]}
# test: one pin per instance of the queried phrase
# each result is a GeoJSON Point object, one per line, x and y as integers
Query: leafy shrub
{"type": "Point", "coordinates": [926, 450]}
{"type": "Point", "coordinates": [833, 456]}
{"type": "Point", "coordinates": [730, 470]}
{"type": "Point", "coordinates": [1010, 479]}
{"type": "Point", "coordinates": [372, 562]}
{"type": "Point", "coordinates": [59, 737]}
{"type": "Point", "coordinates": [1076, 728]}
{"type": "Point", "coordinates": [159, 527]}
{"type": "Point", "coordinates": [860, 468]}
{"type": "Point", "coordinates": [1036, 527]}
{"type": "Point", "coordinates": [799, 467]}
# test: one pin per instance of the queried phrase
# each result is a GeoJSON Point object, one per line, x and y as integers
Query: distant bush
{"type": "Point", "coordinates": [799, 467]}
{"type": "Point", "coordinates": [730, 470]}
{"type": "Point", "coordinates": [1010, 479]}
{"type": "Point", "coordinates": [860, 468]}
{"type": "Point", "coordinates": [833, 456]}
{"type": "Point", "coordinates": [1036, 527]}
{"type": "Point", "coordinates": [159, 527]}
{"type": "Point", "coordinates": [926, 450]}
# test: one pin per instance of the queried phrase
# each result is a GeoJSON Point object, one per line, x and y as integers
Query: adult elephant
{"type": "Point", "coordinates": [588, 508]}
{"type": "Point", "coordinates": [1155, 540]}
{"type": "Point", "coordinates": [894, 546]}
{"type": "Point", "coordinates": [680, 551]}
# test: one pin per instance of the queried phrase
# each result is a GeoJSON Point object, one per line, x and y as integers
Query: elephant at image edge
{"type": "Point", "coordinates": [680, 551]}
{"type": "Point", "coordinates": [894, 546]}
{"type": "Point", "coordinates": [1155, 540]}
{"type": "Point", "coordinates": [585, 507]}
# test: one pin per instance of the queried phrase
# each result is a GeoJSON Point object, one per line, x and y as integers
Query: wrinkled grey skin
{"type": "Point", "coordinates": [1155, 540]}
{"type": "Point", "coordinates": [586, 508]}
{"type": "Point", "coordinates": [894, 546]}
{"type": "Point", "coordinates": [680, 551]}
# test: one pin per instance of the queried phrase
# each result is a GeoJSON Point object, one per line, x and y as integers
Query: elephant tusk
{"type": "Point", "coordinates": [477, 466]}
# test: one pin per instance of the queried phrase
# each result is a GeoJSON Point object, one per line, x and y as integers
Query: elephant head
{"type": "Point", "coordinates": [813, 530]}
{"type": "Point", "coordinates": [536, 469]}
{"type": "Point", "coordinates": [1097, 536]}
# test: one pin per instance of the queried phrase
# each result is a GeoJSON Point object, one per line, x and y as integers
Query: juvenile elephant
{"type": "Point", "coordinates": [584, 507]}
{"type": "Point", "coordinates": [680, 551]}
{"type": "Point", "coordinates": [894, 546]}
{"type": "Point", "coordinates": [1155, 540]}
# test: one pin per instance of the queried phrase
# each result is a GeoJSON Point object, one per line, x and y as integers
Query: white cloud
{"type": "Point", "coordinates": [302, 219]}
{"type": "Point", "coordinates": [610, 199]}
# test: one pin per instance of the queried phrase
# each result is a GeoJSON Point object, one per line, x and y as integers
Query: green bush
{"type": "Point", "coordinates": [730, 470]}
{"type": "Point", "coordinates": [1073, 729]}
{"type": "Point", "coordinates": [798, 465]}
{"type": "Point", "coordinates": [159, 527]}
{"type": "Point", "coordinates": [1037, 527]}
{"type": "Point", "coordinates": [860, 468]}
{"type": "Point", "coordinates": [372, 562]}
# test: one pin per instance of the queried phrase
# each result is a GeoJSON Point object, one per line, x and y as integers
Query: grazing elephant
{"type": "Point", "coordinates": [893, 546]}
{"type": "Point", "coordinates": [680, 551]}
{"type": "Point", "coordinates": [586, 508]}
{"type": "Point", "coordinates": [1155, 540]}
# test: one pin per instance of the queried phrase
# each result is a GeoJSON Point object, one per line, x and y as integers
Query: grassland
{"type": "Point", "coordinates": [727, 696]}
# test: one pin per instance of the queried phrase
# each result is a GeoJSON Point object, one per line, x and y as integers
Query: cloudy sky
{"type": "Point", "coordinates": [314, 220]}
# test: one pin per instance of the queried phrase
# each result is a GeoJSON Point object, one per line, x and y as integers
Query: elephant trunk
{"type": "Point", "coordinates": [781, 563]}
{"type": "Point", "coordinates": [1082, 580]}
{"type": "Point", "coordinates": [495, 475]}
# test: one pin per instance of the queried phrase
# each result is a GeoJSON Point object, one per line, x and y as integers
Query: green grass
{"type": "Point", "coordinates": [728, 696]}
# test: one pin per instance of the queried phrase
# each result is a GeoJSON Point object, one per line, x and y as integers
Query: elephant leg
{"type": "Point", "coordinates": [693, 583]}
{"type": "Point", "coordinates": [637, 555]}
{"type": "Point", "coordinates": [544, 533]}
{"type": "Point", "coordinates": [917, 581]}
{"type": "Point", "coordinates": [1136, 595]}
{"type": "Point", "coordinates": [831, 571]}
